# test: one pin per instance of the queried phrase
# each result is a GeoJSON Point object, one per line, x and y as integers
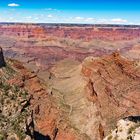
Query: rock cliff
{"type": "Point", "coordinates": [14, 104]}
{"type": "Point", "coordinates": [2, 61]}
{"type": "Point", "coordinates": [43, 45]}
{"type": "Point", "coordinates": [96, 93]}
{"type": "Point", "coordinates": [76, 88]}
{"type": "Point", "coordinates": [114, 87]}
{"type": "Point", "coordinates": [73, 32]}
{"type": "Point", "coordinates": [27, 111]}
{"type": "Point", "coordinates": [127, 128]}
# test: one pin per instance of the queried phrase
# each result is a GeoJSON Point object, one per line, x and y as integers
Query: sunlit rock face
{"type": "Point", "coordinates": [113, 86]}
{"type": "Point", "coordinates": [43, 44]}
{"type": "Point", "coordinates": [97, 92]}
{"type": "Point", "coordinates": [87, 89]}
{"type": "Point", "coordinates": [86, 33]}
{"type": "Point", "coordinates": [128, 128]}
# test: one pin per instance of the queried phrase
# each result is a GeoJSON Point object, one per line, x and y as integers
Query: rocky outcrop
{"type": "Point", "coordinates": [113, 87]}
{"type": "Point", "coordinates": [127, 128]}
{"type": "Point", "coordinates": [14, 106]}
{"type": "Point", "coordinates": [96, 93]}
{"type": "Point", "coordinates": [45, 119]}
{"type": "Point", "coordinates": [2, 61]}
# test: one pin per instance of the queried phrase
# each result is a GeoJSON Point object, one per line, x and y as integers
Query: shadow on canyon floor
{"type": "Point", "coordinates": [39, 136]}
{"type": "Point", "coordinates": [133, 118]}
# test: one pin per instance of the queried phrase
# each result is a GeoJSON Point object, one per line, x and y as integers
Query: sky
{"type": "Point", "coordinates": [71, 11]}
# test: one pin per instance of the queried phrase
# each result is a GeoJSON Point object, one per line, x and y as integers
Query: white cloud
{"type": "Point", "coordinates": [119, 20]}
{"type": "Point", "coordinates": [112, 21]}
{"type": "Point", "coordinates": [36, 18]}
{"type": "Point", "coordinates": [28, 17]}
{"type": "Point", "coordinates": [13, 5]}
{"type": "Point", "coordinates": [49, 16]}
{"type": "Point", "coordinates": [79, 18]}
{"type": "Point", "coordinates": [102, 21]}
{"type": "Point", "coordinates": [52, 10]}
{"type": "Point", "coordinates": [89, 20]}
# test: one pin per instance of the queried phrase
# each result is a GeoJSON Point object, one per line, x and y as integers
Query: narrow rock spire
{"type": "Point", "coordinates": [2, 61]}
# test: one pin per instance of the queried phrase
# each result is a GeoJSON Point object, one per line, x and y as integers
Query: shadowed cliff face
{"type": "Point", "coordinates": [2, 61]}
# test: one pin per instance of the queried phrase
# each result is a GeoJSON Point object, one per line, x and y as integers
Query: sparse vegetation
{"type": "Point", "coordinates": [12, 120]}
{"type": "Point", "coordinates": [109, 137]}
{"type": "Point", "coordinates": [1, 137]}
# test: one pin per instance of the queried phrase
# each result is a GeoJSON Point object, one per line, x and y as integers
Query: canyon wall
{"type": "Point", "coordinates": [44, 45]}
{"type": "Point", "coordinates": [83, 88]}
{"type": "Point", "coordinates": [97, 93]}
{"type": "Point", "coordinates": [84, 33]}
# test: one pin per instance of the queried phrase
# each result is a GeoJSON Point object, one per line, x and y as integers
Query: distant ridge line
{"type": "Point", "coordinates": [70, 24]}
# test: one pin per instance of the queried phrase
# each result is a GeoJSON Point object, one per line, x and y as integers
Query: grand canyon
{"type": "Point", "coordinates": [69, 82]}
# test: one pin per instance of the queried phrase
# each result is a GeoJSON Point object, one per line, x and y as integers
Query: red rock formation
{"type": "Point", "coordinates": [84, 33]}
{"type": "Point", "coordinates": [114, 87]}
{"type": "Point", "coordinates": [113, 83]}
{"type": "Point", "coordinates": [22, 31]}
{"type": "Point", "coordinates": [88, 34]}
{"type": "Point", "coordinates": [45, 45]}
{"type": "Point", "coordinates": [48, 119]}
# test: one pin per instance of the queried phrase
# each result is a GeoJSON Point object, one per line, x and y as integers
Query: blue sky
{"type": "Point", "coordinates": [71, 11]}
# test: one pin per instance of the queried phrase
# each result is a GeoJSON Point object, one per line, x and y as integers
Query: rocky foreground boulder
{"type": "Point", "coordinates": [127, 129]}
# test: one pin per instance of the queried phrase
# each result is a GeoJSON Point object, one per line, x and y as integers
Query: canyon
{"type": "Point", "coordinates": [80, 79]}
{"type": "Point", "coordinates": [47, 44]}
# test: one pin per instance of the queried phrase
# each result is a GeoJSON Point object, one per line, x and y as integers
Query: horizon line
{"type": "Point", "coordinates": [88, 24]}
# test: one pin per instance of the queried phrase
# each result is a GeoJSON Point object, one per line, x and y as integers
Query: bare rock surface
{"type": "Point", "coordinates": [27, 111]}
{"type": "Point", "coordinates": [128, 128]}
{"type": "Point", "coordinates": [114, 87]}
{"type": "Point", "coordinates": [2, 61]}
{"type": "Point", "coordinates": [42, 45]}
{"type": "Point", "coordinates": [83, 88]}
{"type": "Point", "coordinates": [97, 93]}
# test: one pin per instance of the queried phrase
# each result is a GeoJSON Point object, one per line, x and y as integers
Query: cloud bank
{"type": "Point", "coordinates": [13, 5]}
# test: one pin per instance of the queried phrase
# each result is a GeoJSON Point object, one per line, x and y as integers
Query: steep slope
{"type": "Point", "coordinates": [27, 111]}
{"type": "Point", "coordinates": [82, 101]}
{"type": "Point", "coordinates": [97, 92]}
{"type": "Point", "coordinates": [2, 61]}
{"type": "Point", "coordinates": [114, 87]}
{"type": "Point", "coordinates": [14, 104]}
